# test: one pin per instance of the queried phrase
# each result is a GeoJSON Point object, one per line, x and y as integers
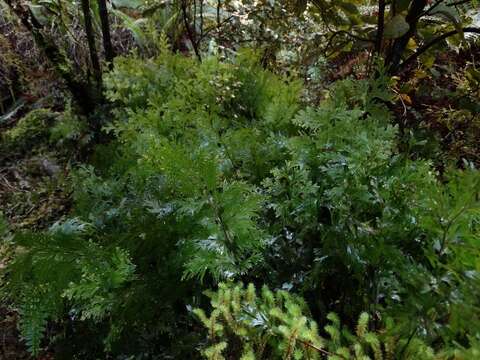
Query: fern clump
{"type": "Point", "coordinates": [217, 172]}
{"type": "Point", "coordinates": [69, 128]}
{"type": "Point", "coordinates": [62, 268]}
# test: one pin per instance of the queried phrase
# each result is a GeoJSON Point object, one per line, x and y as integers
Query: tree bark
{"type": "Point", "coordinates": [107, 41]}
{"type": "Point", "coordinates": [87, 17]}
{"type": "Point", "coordinates": [394, 57]}
{"type": "Point", "coordinates": [191, 34]}
{"type": "Point", "coordinates": [79, 89]}
{"type": "Point", "coordinates": [380, 26]}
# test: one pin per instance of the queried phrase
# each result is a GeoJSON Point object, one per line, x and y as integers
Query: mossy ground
{"type": "Point", "coordinates": [33, 194]}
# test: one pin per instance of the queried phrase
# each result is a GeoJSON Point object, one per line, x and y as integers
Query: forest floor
{"type": "Point", "coordinates": [11, 348]}
{"type": "Point", "coordinates": [32, 196]}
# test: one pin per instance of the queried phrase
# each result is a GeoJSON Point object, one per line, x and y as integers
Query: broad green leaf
{"type": "Point", "coordinates": [134, 25]}
{"type": "Point", "coordinates": [396, 27]}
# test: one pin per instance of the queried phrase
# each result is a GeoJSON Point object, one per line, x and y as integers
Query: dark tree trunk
{"type": "Point", "coordinates": [191, 33]}
{"type": "Point", "coordinates": [107, 41]}
{"type": "Point", "coordinates": [87, 17]}
{"type": "Point", "coordinates": [81, 92]}
{"type": "Point", "coordinates": [394, 57]}
{"type": "Point", "coordinates": [380, 26]}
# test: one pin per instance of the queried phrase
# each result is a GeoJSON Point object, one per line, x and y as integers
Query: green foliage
{"type": "Point", "coordinates": [271, 325]}
{"type": "Point", "coordinates": [30, 129]}
{"type": "Point", "coordinates": [217, 171]}
{"type": "Point", "coordinates": [62, 267]}
{"type": "Point", "coordinates": [296, 34]}
{"type": "Point", "coordinates": [44, 129]}
{"type": "Point", "coordinates": [68, 129]}
{"type": "Point", "coordinates": [277, 325]}
{"type": "Point", "coordinates": [201, 151]}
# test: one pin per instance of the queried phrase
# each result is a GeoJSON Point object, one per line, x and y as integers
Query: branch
{"type": "Point", "coordinates": [435, 41]}
{"type": "Point", "coordinates": [437, 3]}
{"type": "Point", "coordinates": [399, 45]}
{"type": "Point", "coordinates": [348, 34]}
{"type": "Point", "coordinates": [323, 351]}
{"type": "Point", "coordinates": [459, 2]}
{"type": "Point", "coordinates": [216, 27]}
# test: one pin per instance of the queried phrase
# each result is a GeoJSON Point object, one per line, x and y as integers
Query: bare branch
{"type": "Point", "coordinates": [435, 41]}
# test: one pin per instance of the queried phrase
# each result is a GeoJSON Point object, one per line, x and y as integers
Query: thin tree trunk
{"type": "Point", "coordinates": [201, 19]}
{"type": "Point", "coordinates": [107, 41]}
{"type": "Point", "coordinates": [191, 34]}
{"type": "Point", "coordinates": [380, 26]}
{"type": "Point", "coordinates": [79, 89]}
{"type": "Point", "coordinates": [394, 57]}
{"type": "Point", "coordinates": [87, 17]}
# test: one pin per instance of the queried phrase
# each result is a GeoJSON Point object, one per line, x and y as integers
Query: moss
{"type": "Point", "coordinates": [29, 130]}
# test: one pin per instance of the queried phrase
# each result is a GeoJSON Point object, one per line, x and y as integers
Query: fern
{"type": "Point", "coordinates": [63, 264]}
{"type": "Point", "coordinates": [218, 172]}
{"type": "Point", "coordinates": [34, 314]}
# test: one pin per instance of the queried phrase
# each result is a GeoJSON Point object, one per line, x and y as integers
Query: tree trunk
{"type": "Point", "coordinates": [87, 17]}
{"type": "Point", "coordinates": [107, 41]}
{"type": "Point", "coordinates": [81, 92]}
{"type": "Point", "coordinates": [380, 26]}
{"type": "Point", "coordinates": [191, 33]}
{"type": "Point", "coordinates": [394, 57]}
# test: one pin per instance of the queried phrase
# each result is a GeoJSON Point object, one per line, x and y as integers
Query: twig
{"type": "Point", "coordinates": [435, 41]}
{"type": "Point", "coordinates": [216, 27]}
{"type": "Point", "coordinates": [403, 103]}
{"type": "Point", "coordinates": [323, 351]}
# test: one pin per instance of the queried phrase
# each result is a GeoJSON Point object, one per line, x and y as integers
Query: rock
{"type": "Point", "coordinates": [50, 167]}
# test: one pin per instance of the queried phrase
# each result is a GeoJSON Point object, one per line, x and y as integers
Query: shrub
{"type": "Point", "coordinates": [219, 172]}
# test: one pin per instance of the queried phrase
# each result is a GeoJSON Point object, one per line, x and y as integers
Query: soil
{"type": "Point", "coordinates": [10, 346]}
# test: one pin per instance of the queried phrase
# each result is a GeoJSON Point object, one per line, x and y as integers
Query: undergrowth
{"type": "Point", "coordinates": [218, 172]}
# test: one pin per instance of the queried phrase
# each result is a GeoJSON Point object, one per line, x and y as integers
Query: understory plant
{"type": "Point", "coordinates": [218, 172]}
{"type": "Point", "coordinates": [277, 325]}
